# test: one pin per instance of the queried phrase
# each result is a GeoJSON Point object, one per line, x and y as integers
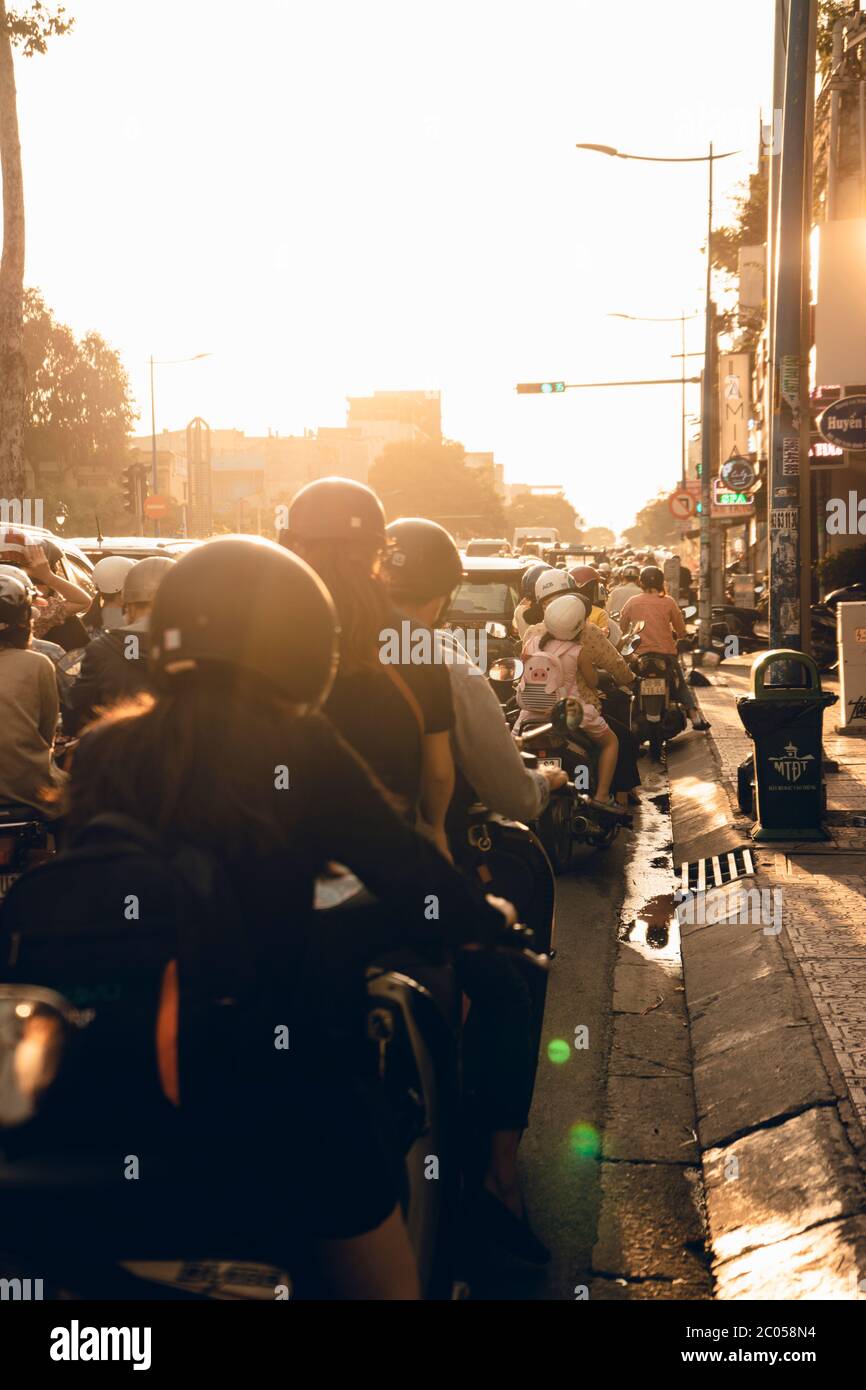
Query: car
{"type": "Point", "coordinates": [496, 546]}
{"type": "Point", "coordinates": [132, 547]}
{"type": "Point", "coordinates": [485, 600]}
{"type": "Point", "coordinates": [74, 562]}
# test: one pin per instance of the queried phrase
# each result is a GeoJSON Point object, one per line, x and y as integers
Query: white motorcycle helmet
{"type": "Point", "coordinates": [554, 581]}
{"type": "Point", "coordinates": [565, 617]}
{"type": "Point", "coordinates": [110, 572]}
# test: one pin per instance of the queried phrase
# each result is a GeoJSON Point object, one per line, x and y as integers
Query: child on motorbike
{"type": "Point", "coordinates": [564, 621]}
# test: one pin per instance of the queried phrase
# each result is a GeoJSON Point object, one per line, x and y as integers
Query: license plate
{"type": "Point", "coordinates": [654, 686]}
{"type": "Point", "coordinates": [551, 763]}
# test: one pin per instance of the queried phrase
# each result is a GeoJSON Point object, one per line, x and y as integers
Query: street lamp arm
{"type": "Point", "coordinates": [177, 361]}
{"type": "Point", "coordinates": [659, 158]}
{"type": "Point", "coordinates": [640, 318]}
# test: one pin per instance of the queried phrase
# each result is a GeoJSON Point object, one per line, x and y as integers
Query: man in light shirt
{"type": "Point", "coordinates": [663, 624]}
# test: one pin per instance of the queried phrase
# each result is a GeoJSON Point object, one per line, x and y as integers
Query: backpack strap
{"type": "Point", "coordinates": [408, 695]}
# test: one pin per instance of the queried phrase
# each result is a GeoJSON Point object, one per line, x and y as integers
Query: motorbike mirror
{"type": "Point", "coordinates": [36, 1025]}
{"type": "Point", "coordinates": [615, 616]}
{"type": "Point", "coordinates": [506, 669]}
{"type": "Point", "coordinates": [690, 611]}
{"type": "Point", "coordinates": [497, 630]}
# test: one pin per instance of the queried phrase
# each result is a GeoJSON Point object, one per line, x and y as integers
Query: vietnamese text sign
{"type": "Point", "coordinates": [844, 423]}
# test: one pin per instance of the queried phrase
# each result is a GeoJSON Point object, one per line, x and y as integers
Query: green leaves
{"type": "Point", "coordinates": [30, 29]}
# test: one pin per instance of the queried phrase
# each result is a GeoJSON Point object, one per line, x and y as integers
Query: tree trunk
{"type": "Point", "coordinates": [12, 370]}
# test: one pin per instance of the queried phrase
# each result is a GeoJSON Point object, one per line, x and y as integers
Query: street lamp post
{"type": "Point", "coordinates": [706, 605]}
{"type": "Point", "coordinates": [154, 470]}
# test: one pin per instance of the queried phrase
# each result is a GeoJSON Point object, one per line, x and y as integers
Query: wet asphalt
{"type": "Point", "coordinates": [622, 895]}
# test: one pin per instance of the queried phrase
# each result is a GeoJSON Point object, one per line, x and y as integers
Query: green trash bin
{"type": "Point", "coordinates": [784, 718]}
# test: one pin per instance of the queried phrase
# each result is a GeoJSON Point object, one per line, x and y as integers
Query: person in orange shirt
{"type": "Point", "coordinates": [663, 624]}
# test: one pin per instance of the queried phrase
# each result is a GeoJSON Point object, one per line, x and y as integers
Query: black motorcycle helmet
{"type": "Point", "coordinates": [245, 604]}
{"type": "Point", "coordinates": [651, 577]}
{"type": "Point", "coordinates": [335, 509]}
{"type": "Point", "coordinates": [422, 560]}
{"type": "Point", "coordinates": [530, 578]}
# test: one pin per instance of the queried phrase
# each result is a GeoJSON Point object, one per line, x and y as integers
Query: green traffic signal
{"type": "Point", "coordinates": [546, 388]}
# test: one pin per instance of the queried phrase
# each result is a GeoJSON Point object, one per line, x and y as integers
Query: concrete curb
{"type": "Point", "coordinates": [780, 1147]}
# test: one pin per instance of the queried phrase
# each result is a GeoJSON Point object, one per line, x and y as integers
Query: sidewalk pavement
{"type": "Point", "coordinates": [823, 885]}
{"type": "Point", "coordinates": [776, 1009]}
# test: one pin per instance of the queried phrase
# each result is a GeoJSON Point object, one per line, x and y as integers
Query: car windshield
{"type": "Point", "coordinates": [486, 598]}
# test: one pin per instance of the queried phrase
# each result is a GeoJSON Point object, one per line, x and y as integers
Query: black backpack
{"type": "Point", "coordinates": [99, 924]}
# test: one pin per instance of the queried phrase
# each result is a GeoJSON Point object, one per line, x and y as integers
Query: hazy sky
{"type": "Point", "coordinates": [334, 196]}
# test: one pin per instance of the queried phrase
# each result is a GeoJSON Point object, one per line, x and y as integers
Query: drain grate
{"type": "Point", "coordinates": [716, 870]}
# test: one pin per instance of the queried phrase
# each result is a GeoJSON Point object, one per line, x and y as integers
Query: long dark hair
{"type": "Point", "coordinates": [349, 570]}
{"type": "Point", "coordinates": [198, 764]}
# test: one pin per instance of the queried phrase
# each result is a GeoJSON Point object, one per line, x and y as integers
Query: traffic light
{"type": "Point", "coordinates": [134, 487]}
{"type": "Point", "coordinates": [130, 488]}
{"type": "Point", "coordinates": [543, 388]}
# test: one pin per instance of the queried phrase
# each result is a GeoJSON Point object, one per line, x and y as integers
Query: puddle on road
{"type": "Point", "coordinates": [655, 932]}
{"type": "Point", "coordinates": [648, 922]}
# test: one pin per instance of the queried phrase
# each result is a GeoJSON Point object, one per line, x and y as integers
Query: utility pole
{"type": "Point", "coordinates": [789, 519]}
{"type": "Point", "coordinates": [707, 433]}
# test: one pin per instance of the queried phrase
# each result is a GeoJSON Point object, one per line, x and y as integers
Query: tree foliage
{"type": "Point", "coordinates": [599, 536]}
{"type": "Point", "coordinates": [423, 478]}
{"type": "Point", "coordinates": [828, 12]}
{"type": "Point", "coordinates": [843, 567]}
{"type": "Point", "coordinates": [30, 29]}
{"type": "Point", "coordinates": [79, 406]}
{"type": "Point", "coordinates": [654, 524]}
{"type": "Point", "coordinates": [749, 227]}
{"type": "Point", "coordinates": [540, 509]}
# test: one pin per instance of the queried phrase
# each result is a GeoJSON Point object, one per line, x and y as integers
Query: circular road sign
{"type": "Point", "coordinates": [156, 506]}
{"type": "Point", "coordinates": [681, 505]}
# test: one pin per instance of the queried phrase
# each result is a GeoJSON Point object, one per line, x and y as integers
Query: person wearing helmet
{"type": "Point", "coordinates": [422, 567]}
{"type": "Point", "coordinates": [604, 657]}
{"type": "Point", "coordinates": [589, 585]}
{"type": "Point", "coordinates": [565, 622]}
{"type": "Point", "coordinates": [528, 611]}
{"type": "Point", "coordinates": [398, 714]}
{"type": "Point", "coordinates": [663, 624]}
{"type": "Point", "coordinates": [29, 701]}
{"type": "Point", "coordinates": [552, 582]}
{"type": "Point", "coordinates": [628, 587]}
{"type": "Point", "coordinates": [65, 600]}
{"type": "Point", "coordinates": [114, 664]}
{"type": "Point", "coordinates": [232, 758]}
{"type": "Point", "coordinates": [109, 576]}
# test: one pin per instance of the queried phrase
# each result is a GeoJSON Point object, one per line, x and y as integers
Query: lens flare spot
{"type": "Point", "coordinates": [584, 1141]}
{"type": "Point", "coordinates": [558, 1051]}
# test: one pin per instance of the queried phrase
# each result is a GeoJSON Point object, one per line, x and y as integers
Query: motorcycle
{"type": "Point", "coordinates": [657, 715]}
{"type": "Point", "coordinates": [69, 1216]}
{"type": "Point", "coordinates": [510, 860]}
{"type": "Point", "coordinates": [569, 817]}
{"type": "Point", "coordinates": [25, 840]}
